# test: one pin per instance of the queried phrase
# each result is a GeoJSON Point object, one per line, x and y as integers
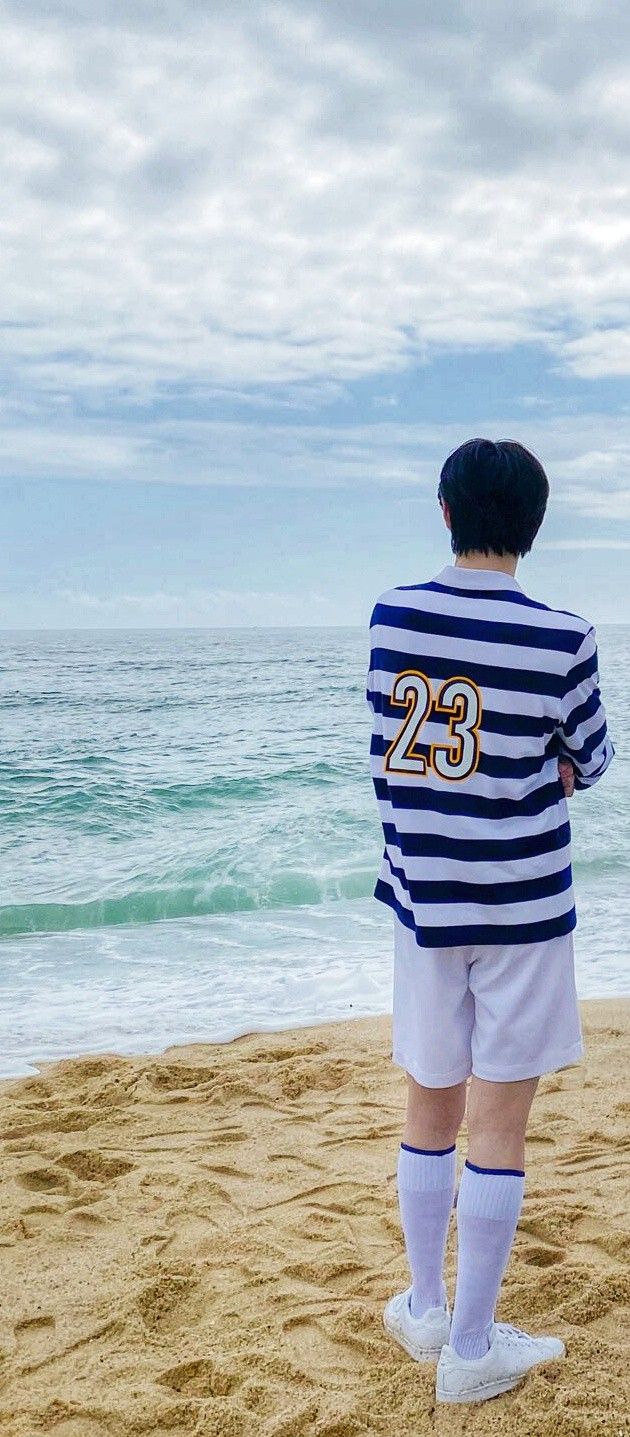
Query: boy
{"type": "Point", "coordinates": [487, 714]}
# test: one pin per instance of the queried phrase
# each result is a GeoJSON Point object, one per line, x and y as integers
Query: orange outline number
{"type": "Point", "coordinates": [459, 698]}
{"type": "Point", "coordinates": [410, 688]}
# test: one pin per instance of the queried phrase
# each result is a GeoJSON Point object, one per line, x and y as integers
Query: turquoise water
{"type": "Point", "coordinates": [189, 839]}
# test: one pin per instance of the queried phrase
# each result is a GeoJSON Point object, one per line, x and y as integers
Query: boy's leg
{"type": "Point", "coordinates": [426, 1184]}
{"type": "Point", "coordinates": [435, 1052]}
{"type": "Point", "coordinates": [488, 1205]}
{"type": "Point", "coordinates": [434, 1115]}
{"type": "Point", "coordinates": [527, 1022]}
{"type": "Point", "coordinates": [497, 1120]}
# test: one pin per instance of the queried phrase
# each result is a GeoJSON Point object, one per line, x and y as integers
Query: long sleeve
{"type": "Point", "coordinates": [369, 682]}
{"type": "Point", "coordinates": [582, 729]}
{"type": "Point", "coordinates": [369, 686]}
{"type": "Point", "coordinates": [368, 694]}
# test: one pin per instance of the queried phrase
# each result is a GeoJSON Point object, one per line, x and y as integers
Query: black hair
{"type": "Point", "coordinates": [497, 495]}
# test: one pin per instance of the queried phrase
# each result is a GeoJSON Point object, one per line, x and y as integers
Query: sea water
{"type": "Point", "coordinates": [189, 839]}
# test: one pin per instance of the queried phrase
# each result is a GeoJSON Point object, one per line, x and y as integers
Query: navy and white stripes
{"type": "Point", "coordinates": [492, 689]}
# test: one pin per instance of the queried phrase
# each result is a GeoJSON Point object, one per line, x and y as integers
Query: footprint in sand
{"type": "Point", "coordinates": [615, 1243]}
{"type": "Point", "coordinates": [160, 1301]}
{"type": "Point", "coordinates": [71, 1121]}
{"type": "Point", "coordinates": [199, 1378]}
{"type": "Point", "coordinates": [321, 1076]}
{"type": "Point", "coordinates": [40, 1219]}
{"type": "Point", "coordinates": [175, 1076]}
{"type": "Point", "coordinates": [541, 1256]}
{"type": "Point", "coordinates": [319, 1225]}
{"type": "Point", "coordinates": [85, 1218]}
{"type": "Point", "coordinates": [311, 1342]}
{"type": "Point", "coordinates": [32, 1334]}
{"type": "Point", "coordinates": [331, 1273]}
{"type": "Point", "coordinates": [204, 1378]}
{"type": "Point", "coordinates": [202, 1193]}
{"type": "Point", "coordinates": [44, 1180]}
{"type": "Point", "coordinates": [93, 1166]}
{"type": "Point", "coordinates": [551, 1226]}
{"type": "Point", "coordinates": [357, 1327]}
{"type": "Point", "coordinates": [586, 1305]}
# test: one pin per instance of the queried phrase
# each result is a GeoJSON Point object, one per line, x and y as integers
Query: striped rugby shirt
{"type": "Point", "coordinates": [476, 691]}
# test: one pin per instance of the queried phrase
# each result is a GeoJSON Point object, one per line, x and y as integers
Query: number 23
{"type": "Point", "coordinates": [460, 699]}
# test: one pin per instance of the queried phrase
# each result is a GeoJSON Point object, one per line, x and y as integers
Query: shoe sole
{"type": "Point", "coordinates": [419, 1354]}
{"type": "Point", "coordinates": [482, 1394]}
{"type": "Point", "coordinates": [493, 1389]}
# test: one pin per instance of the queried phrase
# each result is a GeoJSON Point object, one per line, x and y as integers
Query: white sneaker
{"type": "Point", "coordinates": [422, 1337]}
{"type": "Point", "coordinates": [510, 1356]}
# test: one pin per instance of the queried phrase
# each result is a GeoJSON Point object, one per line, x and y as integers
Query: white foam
{"type": "Point", "coordinates": [136, 989]}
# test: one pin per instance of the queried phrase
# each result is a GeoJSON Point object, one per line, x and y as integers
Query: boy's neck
{"type": "Point", "coordinates": [499, 563]}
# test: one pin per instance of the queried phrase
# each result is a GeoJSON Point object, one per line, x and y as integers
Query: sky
{"type": "Point", "coordinates": [263, 266]}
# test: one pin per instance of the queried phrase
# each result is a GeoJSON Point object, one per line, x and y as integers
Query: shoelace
{"type": "Point", "coordinates": [514, 1334]}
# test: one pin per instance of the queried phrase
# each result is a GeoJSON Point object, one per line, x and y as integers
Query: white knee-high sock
{"type": "Point", "coordinates": [488, 1206]}
{"type": "Point", "coordinates": [426, 1182]}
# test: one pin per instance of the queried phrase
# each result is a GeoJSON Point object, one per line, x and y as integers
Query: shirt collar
{"type": "Point", "coordinates": [457, 577]}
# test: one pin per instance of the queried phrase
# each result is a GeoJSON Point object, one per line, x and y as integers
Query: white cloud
{"type": "Point", "coordinates": [586, 456]}
{"type": "Point", "coordinates": [236, 194]}
{"type": "Point", "coordinates": [605, 351]}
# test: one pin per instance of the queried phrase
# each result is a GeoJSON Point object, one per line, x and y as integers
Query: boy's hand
{"type": "Point", "coordinates": [567, 774]}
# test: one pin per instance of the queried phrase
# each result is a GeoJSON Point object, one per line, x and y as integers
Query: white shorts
{"type": "Point", "coordinates": [500, 1013]}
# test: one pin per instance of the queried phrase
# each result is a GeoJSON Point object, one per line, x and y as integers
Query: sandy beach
{"type": "Point", "coordinates": [201, 1242]}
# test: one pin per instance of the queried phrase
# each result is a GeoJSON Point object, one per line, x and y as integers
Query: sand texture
{"type": "Point", "coordinates": [202, 1242]}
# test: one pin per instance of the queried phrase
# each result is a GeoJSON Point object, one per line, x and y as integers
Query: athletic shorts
{"type": "Point", "coordinates": [502, 1013]}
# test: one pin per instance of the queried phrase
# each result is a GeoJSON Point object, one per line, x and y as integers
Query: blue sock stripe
{"type": "Point", "coordinates": [428, 1152]}
{"type": "Point", "coordinates": [496, 1172]}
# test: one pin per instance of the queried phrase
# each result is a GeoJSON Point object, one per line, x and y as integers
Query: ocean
{"type": "Point", "coordinates": [189, 839]}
